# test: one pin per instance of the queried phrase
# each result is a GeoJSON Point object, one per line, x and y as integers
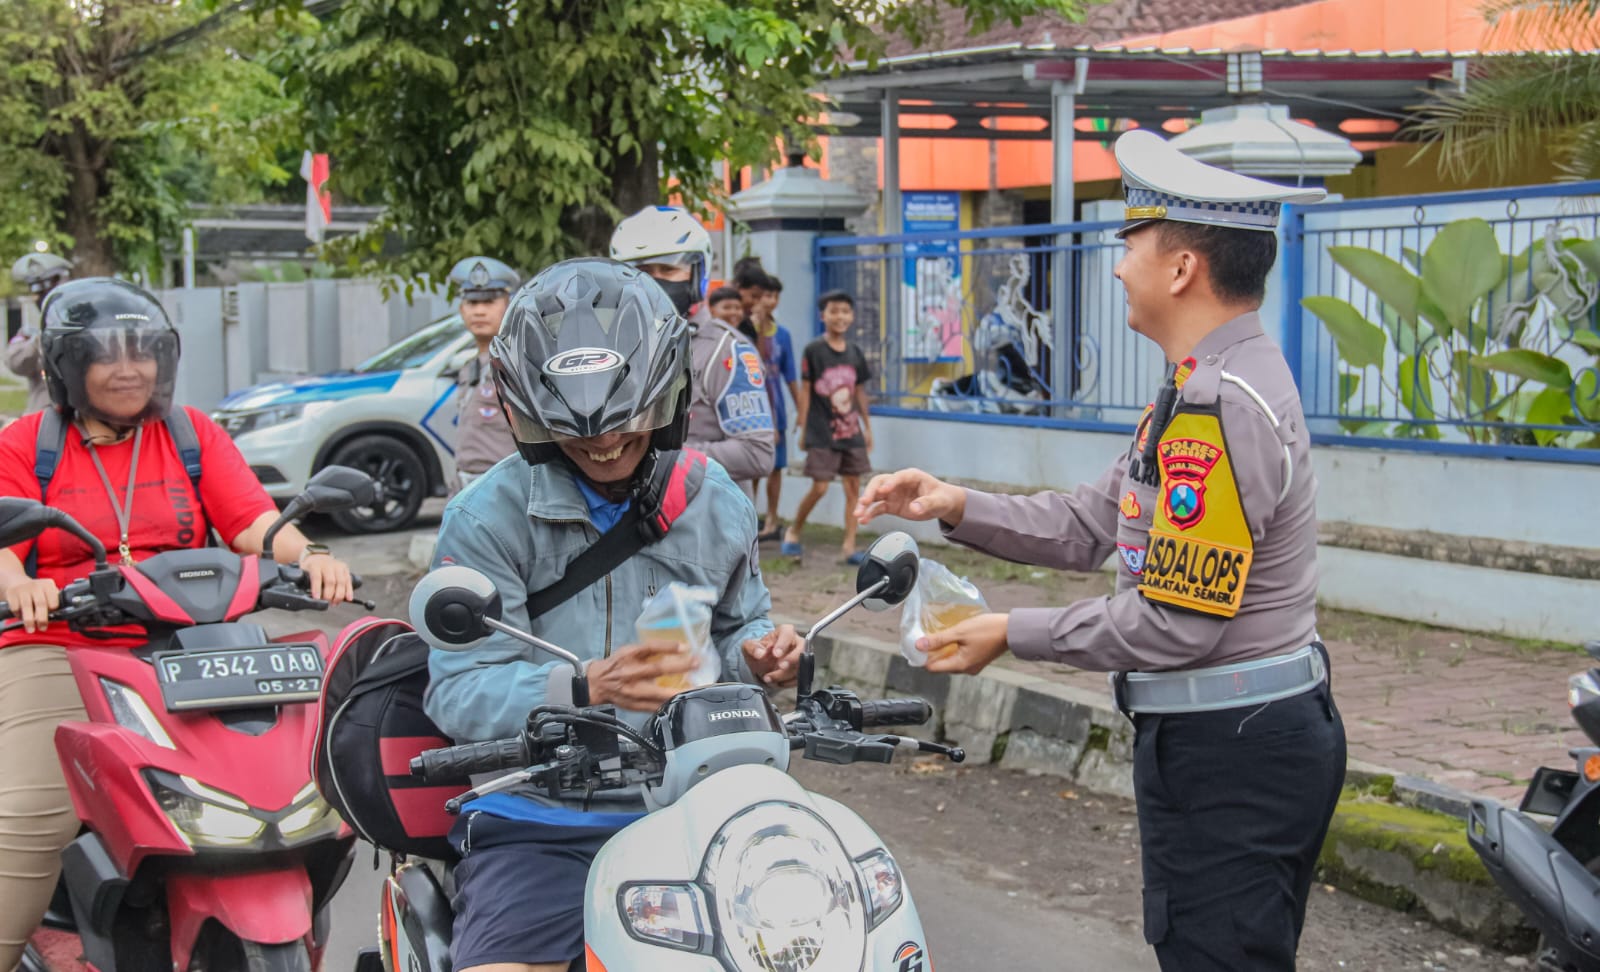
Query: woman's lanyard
{"type": "Point", "coordinates": [124, 510]}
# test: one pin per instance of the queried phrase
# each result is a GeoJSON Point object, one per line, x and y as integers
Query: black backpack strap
{"type": "Point", "coordinates": [46, 453]}
{"type": "Point", "coordinates": [669, 486]}
{"type": "Point", "coordinates": [181, 427]}
{"type": "Point", "coordinates": [47, 448]}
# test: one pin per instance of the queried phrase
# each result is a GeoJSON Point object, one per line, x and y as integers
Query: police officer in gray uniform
{"type": "Point", "coordinates": [39, 273]}
{"type": "Point", "coordinates": [483, 435]}
{"type": "Point", "coordinates": [730, 416]}
{"type": "Point", "coordinates": [1239, 751]}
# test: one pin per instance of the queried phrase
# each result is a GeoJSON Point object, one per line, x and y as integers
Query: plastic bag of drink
{"type": "Point", "coordinates": [680, 614]}
{"type": "Point", "coordinates": [940, 600]}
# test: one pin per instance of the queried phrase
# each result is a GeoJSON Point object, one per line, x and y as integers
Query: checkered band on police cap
{"type": "Point", "coordinates": [1160, 182]}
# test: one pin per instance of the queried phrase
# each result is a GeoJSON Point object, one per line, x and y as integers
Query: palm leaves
{"type": "Point", "coordinates": [1516, 105]}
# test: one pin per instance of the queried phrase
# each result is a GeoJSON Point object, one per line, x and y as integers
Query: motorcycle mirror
{"type": "Point", "coordinates": [894, 557]}
{"type": "Point", "coordinates": [23, 519]}
{"type": "Point", "coordinates": [450, 605]}
{"type": "Point", "coordinates": [336, 488]}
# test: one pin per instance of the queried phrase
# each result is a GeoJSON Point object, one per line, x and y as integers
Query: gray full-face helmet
{"type": "Point", "coordinates": [591, 346]}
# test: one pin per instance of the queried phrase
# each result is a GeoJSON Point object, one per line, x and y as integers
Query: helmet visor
{"type": "Point", "coordinates": [110, 345]}
{"type": "Point", "coordinates": [121, 375]}
{"type": "Point", "coordinates": [658, 414]}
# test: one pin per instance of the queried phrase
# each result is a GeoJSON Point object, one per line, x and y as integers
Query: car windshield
{"type": "Point", "coordinates": [416, 349]}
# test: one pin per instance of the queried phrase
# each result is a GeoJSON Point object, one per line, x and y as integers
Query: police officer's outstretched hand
{"type": "Point", "coordinates": [912, 495]}
{"type": "Point", "coordinates": [966, 648]}
{"type": "Point", "coordinates": [627, 677]}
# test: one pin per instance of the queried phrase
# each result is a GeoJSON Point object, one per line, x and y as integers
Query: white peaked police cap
{"type": "Point", "coordinates": [1160, 182]}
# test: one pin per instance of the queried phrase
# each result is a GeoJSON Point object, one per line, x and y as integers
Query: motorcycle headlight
{"type": "Point", "coordinates": [204, 816]}
{"type": "Point", "coordinates": [239, 423]}
{"type": "Point", "coordinates": [129, 709]}
{"type": "Point", "coordinates": [673, 915]}
{"type": "Point", "coordinates": [786, 893]}
{"type": "Point", "coordinates": [884, 886]}
{"type": "Point", "coordinates": [310, 818]}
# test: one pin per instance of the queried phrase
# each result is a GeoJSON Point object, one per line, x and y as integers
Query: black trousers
{"type": "Point", "coordinates": [1233, 808]}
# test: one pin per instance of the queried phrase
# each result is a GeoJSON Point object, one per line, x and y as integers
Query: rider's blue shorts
{"type": "Point", "coordinates": [519, 886]}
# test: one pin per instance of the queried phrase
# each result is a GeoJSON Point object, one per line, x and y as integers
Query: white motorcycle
{"type": "Point", "coordinates": [736, 867]}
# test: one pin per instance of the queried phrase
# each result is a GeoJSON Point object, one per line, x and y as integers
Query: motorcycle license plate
{"type": "Point", "coordinates": [235, 677]}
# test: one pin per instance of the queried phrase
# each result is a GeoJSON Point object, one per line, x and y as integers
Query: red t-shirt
{"type": "Point", "coordinates": [165, 514]}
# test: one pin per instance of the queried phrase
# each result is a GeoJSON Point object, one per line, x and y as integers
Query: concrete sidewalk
{"type": "Point", "coordinates": [1472, 713]}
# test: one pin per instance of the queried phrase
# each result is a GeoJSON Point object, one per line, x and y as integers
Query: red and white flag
{"type": "Point", "coordinates": [319, 205]}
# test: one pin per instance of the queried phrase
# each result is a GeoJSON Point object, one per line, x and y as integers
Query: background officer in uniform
{"type": "Point", "coordinates": [38, 273]}
{"type": "Point", "coordinates": [1239, 752]}
{"type": "Point", "coordinates": [730, 416]}
{"type": "Point", "coordinates": [483, 435]}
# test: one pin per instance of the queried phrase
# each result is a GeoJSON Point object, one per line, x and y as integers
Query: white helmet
{"type": "Point", "coordinates": [667, 235]}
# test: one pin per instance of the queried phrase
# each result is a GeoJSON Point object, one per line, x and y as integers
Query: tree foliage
{"type": "Point", "coordinates": [108, 130]}
{"type": "Point", "coordinates": [524, 128]}
{"type": "Point", "coordinates": [1546, 99]}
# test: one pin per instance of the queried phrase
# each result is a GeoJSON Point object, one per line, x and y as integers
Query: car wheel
{"type": "Point", "coordinates": [397, 468]}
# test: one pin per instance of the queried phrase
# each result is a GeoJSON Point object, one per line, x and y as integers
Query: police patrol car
{"type": "Point", "coordinates": [392, 416]}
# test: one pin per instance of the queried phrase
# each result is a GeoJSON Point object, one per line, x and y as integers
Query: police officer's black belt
{"type": "Point", "coordinates": [1254, 682]}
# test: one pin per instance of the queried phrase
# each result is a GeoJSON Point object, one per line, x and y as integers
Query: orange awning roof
{"type": "Point", "coordinates": [1456, 26]}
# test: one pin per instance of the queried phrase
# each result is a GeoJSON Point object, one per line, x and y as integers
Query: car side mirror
{"type": "Point", "coordinates": [894, 558]}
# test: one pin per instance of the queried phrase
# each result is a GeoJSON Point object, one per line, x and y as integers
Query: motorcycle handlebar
{"type": "Point", "coordinates": [458, 762]}
{"type": "Point", "coordinates": [895, 712]}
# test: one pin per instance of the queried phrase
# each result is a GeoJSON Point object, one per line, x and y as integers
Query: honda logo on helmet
{"type": "Point", "coordinates": [583, 361]}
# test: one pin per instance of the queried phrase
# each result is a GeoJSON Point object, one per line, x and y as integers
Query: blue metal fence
{"type": "Point", "coordinates": [1454, 322]}
{"type": "Point", "coordinates": [967, 324]}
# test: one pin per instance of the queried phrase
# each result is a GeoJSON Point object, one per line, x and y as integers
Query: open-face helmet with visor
{"type": "Point", "coordinates": [40, 272]}
{"type": "Point", "coordinates": [669, 236]}
{"type": "Point", "coordinates": [101, 320]}
{"type": "Point", "coordinates": [591, 346]}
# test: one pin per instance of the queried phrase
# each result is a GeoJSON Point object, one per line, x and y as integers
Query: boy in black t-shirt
{"type": "Point", "coordinates": [835, 427]}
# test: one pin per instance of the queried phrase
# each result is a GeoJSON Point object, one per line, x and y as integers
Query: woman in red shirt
{"type": "Point", "coordinates": [110, 359]}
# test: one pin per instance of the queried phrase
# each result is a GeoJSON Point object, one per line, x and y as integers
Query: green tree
{"type": "Point", "coordinates": [524, 128]}
{"type": "Point", "coordinates": [115, 115]}
{"type": "Point", "coordinates": [1535, 102]}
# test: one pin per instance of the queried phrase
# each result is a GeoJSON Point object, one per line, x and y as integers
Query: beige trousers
{"type": "Point", "coordinates": [36, 817]}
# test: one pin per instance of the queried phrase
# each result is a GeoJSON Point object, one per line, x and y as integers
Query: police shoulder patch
{"type": "Point", "coordinates": [1200, 543]}
{"type": "Point", "coordinates": [743, 407]}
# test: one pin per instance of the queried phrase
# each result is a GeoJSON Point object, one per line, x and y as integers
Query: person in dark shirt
{"type": "Point", "coordinates": [834, 422]}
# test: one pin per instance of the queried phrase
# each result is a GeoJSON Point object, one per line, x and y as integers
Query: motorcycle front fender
{"type": "Point", "coordinates": [1553, 889]}
{"type": "Point", "coordinates": [270, 907]}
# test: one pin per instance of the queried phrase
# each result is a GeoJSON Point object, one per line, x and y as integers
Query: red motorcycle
{"type": "Point", "coordinates": [205, 845]}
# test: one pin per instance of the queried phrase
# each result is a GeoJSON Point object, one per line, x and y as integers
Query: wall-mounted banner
{"type": "Point", "coordinates": [931, 300]}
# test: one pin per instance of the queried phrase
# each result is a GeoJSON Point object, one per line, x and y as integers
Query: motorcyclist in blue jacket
{"type": "Point", "coordinates": [592, 366]}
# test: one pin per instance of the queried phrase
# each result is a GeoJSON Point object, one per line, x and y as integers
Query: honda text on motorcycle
{"type": "Point", "coordinates": [735, 867]}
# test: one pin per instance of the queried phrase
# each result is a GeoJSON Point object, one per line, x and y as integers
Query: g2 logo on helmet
{"type": "Point", "coordinates": [583, 361]}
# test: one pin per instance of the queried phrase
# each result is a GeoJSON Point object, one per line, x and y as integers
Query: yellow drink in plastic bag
{"type": "Point", "coordinates": [937, 617]}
